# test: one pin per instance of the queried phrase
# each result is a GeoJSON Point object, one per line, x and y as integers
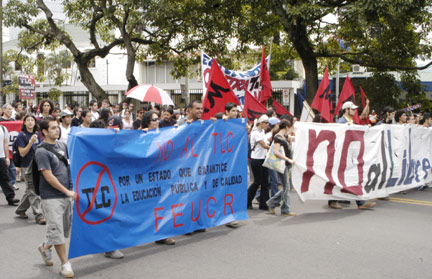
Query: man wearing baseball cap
{"type": "Point", "coordinates": [65, 124]}
{"type": "Point", "coordinates": [349, 109]}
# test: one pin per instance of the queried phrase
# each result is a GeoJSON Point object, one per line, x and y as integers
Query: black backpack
{"type": "Point", "coordinates": [16, 157]}
{"type": "Point", "coordinates": [250, 148]}
{"type": "Point", "coordinates": [35, 173]}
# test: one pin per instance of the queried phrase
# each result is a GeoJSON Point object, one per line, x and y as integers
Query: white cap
{"type": "Point", "coordinates": [349, 105]}
{"type": "Point", "coordinates": [263, 118]}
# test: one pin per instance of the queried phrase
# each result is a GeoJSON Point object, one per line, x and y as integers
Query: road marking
{"type": "Point", "coordinates": [411, 201]}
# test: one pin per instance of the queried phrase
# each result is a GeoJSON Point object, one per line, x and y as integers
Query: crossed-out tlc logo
{"type": "Point", "coordinates": [96, 193]}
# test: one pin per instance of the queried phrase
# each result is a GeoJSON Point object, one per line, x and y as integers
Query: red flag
{"type": "Point", "coordinates": [266, 88]}
{"type": "Point", "coordinates": [280, 110]}
{"type": "Point", "coordinates": [322, 101]}
{"type": "Point", "coordinates": [347, 94]}
{"type": "Point", "coordinates": [218, 94]}
{"type": "Point", "coordinates": [252, 108]}
{"type": "Point", "coordinates": [363, 97]}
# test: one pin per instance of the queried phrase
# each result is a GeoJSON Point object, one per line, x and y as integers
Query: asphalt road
{"type": "Point", "coordinates": [393, 240]}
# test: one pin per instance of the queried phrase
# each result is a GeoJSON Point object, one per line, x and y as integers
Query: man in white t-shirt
{"type": "Point", "coordinates": [65, 125]}
{"type": "Point", "coordinates": [5, 183]}
{"type": "Point", "coordinates": [94, 110]}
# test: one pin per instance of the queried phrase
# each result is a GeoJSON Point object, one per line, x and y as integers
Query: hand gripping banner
{"type": "Point", "coordinates": [135, 187]}
{"type": "Point", "coordinates": [352, 162]}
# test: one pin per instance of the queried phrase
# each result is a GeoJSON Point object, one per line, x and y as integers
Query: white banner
{"type": "Point", "coordinates": [238, 80]}
{"type": "Point", "coordinates": [352, 162]}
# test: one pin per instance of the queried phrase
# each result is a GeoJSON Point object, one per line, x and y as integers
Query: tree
{"type": "Point", "coordinates": [385, 35]}
{"type": "Point", "coordinates": [415, 91]}
{"type": "Point", "coordinates": [163, 29]}
{"type": "Point", "coordinates": [382, 89]}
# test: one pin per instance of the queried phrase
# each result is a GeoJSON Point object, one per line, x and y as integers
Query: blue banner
{"type": "Point", "coordinates": [135, 187]}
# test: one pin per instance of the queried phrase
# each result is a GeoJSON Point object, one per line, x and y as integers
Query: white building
{"type": "Point", "coordinates": [109, 73]}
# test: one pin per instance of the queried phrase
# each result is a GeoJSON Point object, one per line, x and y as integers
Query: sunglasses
{"type": "Point", "coordinates": [154, 119]}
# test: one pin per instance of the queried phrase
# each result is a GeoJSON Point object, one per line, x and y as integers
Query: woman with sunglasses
{"type": "Point", "coordinates": [259, 145]}
{"type": "Point", "coordinates": [27, 140]}
{"type": "Point", "coordinates": [150, 121]}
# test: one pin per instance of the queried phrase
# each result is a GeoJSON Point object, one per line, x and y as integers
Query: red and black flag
{"type": "Point", "coordinates": [280, 110]}
{"type": "Point", "coordinates": [252, 108]}
{"type": "Point", "coordinates": [322, 101]}
{"type": "Point", "coordinates": [218, 94]}
{"type": "Point", "coordinates": [347, 95]}
{"type": "Point", "coordinates": [266, 88]}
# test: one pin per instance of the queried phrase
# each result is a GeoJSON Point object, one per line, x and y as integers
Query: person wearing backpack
{"type": "Point", "coordinates": [26, 142]}
{"type": "Point", "coordinates": [5, 182]}
{"type": "Point", "coordinates": [55, 188]}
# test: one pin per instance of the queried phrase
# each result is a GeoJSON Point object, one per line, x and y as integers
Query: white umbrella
{"type": "Point", "coordinates": [150, 93]}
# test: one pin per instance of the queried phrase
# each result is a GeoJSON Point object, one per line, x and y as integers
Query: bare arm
{"type": "Point", "coordinates": [55, 183]}
{"type": "Point", "coordinates": [263, 144]}
{"type": "Point", "coordinates": [365, 112]}
{"type": "Point", "coordinates": [6, 150]}
{"type": "Point", "coordinates": [278, 154]}
{"type": "Point", "coordinates": [23, 151]}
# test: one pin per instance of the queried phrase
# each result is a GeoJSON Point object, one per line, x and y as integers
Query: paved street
{"type": "Point", "coordinates": [391, 241]}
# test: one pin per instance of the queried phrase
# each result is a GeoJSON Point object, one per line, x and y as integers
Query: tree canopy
{"type": "Point", "coordinates": [383, 35]}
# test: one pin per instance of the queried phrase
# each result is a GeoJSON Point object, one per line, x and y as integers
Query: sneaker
{"type": "Point", "coordinates": [15, 188]}
{"type": "Point", "coordinates": [166, 241]}
{"type": "Point", "coordinates": [335, 205]}
{"type": "Point", "coordinates": [13, 202]}
{"type": "Point", "coordinates": [66, 270]}
{"type": "Point", "coordinates": [289, 214]}
{"type": "Point", "coordinates": [117, 254]}
{"type": "Point", "coordinates": [22, 215]}
{"type": "Point", "coordinates": [41, 221]}
{"type": "Point", "coordinates": [270, 209]}
{"type": "Point", "coordinates": [367, 205]}
{"type": "Point", "coordinates": [233, 224]}
{"type": "Point", "coordinates": [46, 254]}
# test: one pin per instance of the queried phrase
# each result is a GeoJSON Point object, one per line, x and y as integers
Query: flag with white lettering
{"type": "Point", "coordinates": [218, 93]}
{"type": "Point", "coordinates": [239, 81]}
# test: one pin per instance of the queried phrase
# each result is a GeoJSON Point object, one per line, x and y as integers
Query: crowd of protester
{"type": "Point", "coordinates": [48, 125]}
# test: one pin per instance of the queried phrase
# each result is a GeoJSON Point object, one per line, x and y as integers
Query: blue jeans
{"type": "Point", "coordinates": [283, 194]}
{"type": "Point", "coordinates": [12, 172]}
{"type": "Point", "coordinates": [273, 182]}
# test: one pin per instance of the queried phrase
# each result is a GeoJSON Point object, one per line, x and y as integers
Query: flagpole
{"type": "Point", "coordinates": [271, 46]}
{"type": "Point", "coordinates": [337, 85]}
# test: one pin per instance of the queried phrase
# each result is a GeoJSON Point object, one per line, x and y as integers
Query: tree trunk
{"type": "Point", "coordinates": [310, 65]}
{"type": "Point", "coordinates": [132, 82]}
{"type": "Point", "coordinates": [305, 49]}
{"type": "Point", "coordinates": [88, 80]}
